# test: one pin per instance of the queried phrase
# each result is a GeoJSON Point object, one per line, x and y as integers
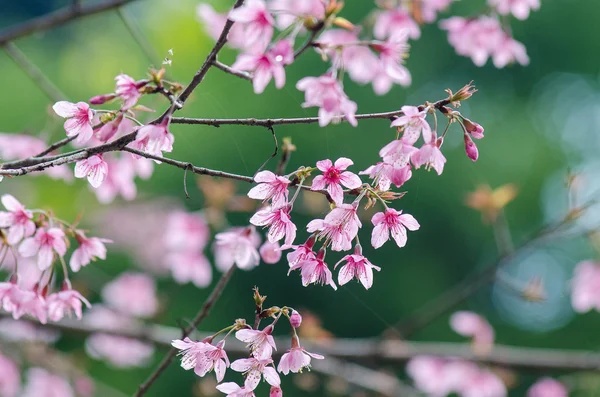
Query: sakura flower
{"type": "Point", "coordinates": [128, 89]}
{"type": "Point", "coordinates": [267, 66]}
{"type": "Point", "coordinates": [154, 138]}
{"type": "Point", "coordinates": [336, 229]}
{"type": "Point", "coordinates": [270, 252]}
{"type": "Point", "coordinates": [65, 302]}
{"type": "Point", "coordinates": [258, 23]}
{"type": "Point", "coordinates": [289, 11]}
{"type": "Point", "coordinates": [391, 56]}
{"type": "Point", "coordinates": [334, 176]}
{"type": "Point", "coordinates": [585, 287]}
{"type": "Point", "coordinates": [385, 174]}
{"type": "Point", "coordinates": [232, 389]}
{"type": "Point", "coordinates": [398, 153]}
{"type": "Point", "coordinates": [214, 23]}
{"type": "Point", "coordinates": [41, 383]}
{"type": "Point", "coordinates": [301, 252]}
{"type": "Point", "coordinates": [279, 222]}
{"type": "Point", "coordinates": [547, 387]}
{"type": "Point", "coordinates": [482, 383]}
{"type": "Point", "coordinates": [357, 266]}
{"type": "Point", "coordinates": [186, 231]}
{"type": "Point", "coordinates": [396, 22]}
{"type": "Point", "coordinates": [429, 375]}
{"type": "Point", "coordinates": [17, 219]}
{"type": "Point", "coordinates": [190, 267]}
{"type": "Point", "coordinates": [471, 324]}
{"type": "Point", "coordinates": [509, 50]}
{"type": "Point", "coordinates": [430, 8]}
{"type": "Point", "coordinates": [22, 301]}
{"type": "Point", "coordinates": [237, 246]}
{"type": "Point", "coordinates": [414, 124]}
{"type": "Point", "coordinates": [94, 168]}
{"type": "Point", "coordinates": [109, 130]}
{"type": "Point", "coordinates": [79, 119]}
{"type": "Point", "coordinates": [133, 294]}
{"type": "Point", "coordinates": [254, 370]}
{"type": "Point", "coordinates": [45, 243]}
{"type": "Point", "coordinates": [296, 359]}
{"type": "Point", "coordinates": [519, 8]}
{"type": "Point", "coordinates": [261, 342]}
{"type": "Point", "coordinates": [392, 222]}
{"type": "Point", "coordinates": [119, 181]}
{"type": "Point", "coordinates": [315, 270]}
{"type": "Point", "coordinates": [430, 155]}
{"type": "Point", "coordinates": [326, 92]}
{"type": "Point", "coordinates": [10, 378]}
{"type": "Point", "coordinates": [270, 187]}
{"type": "Point", "coordinates": [203, 357]}
{"type": "Point", "coordinates": [89, 249]}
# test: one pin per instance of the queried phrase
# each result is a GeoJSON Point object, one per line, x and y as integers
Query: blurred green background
{"type": "Point", "coordinates": [539, 121]}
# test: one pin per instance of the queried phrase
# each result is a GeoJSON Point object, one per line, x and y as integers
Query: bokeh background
{"type": "Point", "coordinates": [540, 122]}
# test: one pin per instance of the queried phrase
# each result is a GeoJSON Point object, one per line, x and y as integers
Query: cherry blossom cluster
{"type": "Point", "coordinates": [437, 376]}
{"type": "Point", "coordinates": [33, 245]}
{"type": "Point", "coordinates": [40, 382]}
{"type": "Point", "coordinates": [205, 356]}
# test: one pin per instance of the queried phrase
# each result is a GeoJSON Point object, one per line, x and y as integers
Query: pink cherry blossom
{"type": "Point", "coordinates": [109, 130]}
{"type": "Point", "coordinates": [270, 187]}
{"type": "Point", "coordinates": [430, 8]}
{"type": "Point", "coordinates": [391, 57]}
{"type": "Point", "coordinates": [270, 252]}
{"type": "Point", "coordinates": [133, 294]}
{"type": "Point", "coordinates": [392, 222]}
{"type": "Point", "coordinates": [258, 23]}
{"type": "Point", "coordinates": [585, 287]}
{"type": "Point", "coordinates": [295, 319]}
{"type": "Point", "coordinates": [119, 180]}
{"type": "Point", "coordinates": [315, 270]}
{"type": "Point", "coordinates": [289, 11]}
{"type": "Point", "coordinates": [232, 389]}
{"type": "Point", "coordinates": [327, 93]}
{"type": "Point", "coordinates": [29, 302]}
{"type": "Point", "coordinates": [261, 342]}
{"type": "Point", "coordinates": [414, 123]}
{"type": "Point", "coordinates": [10, 377]}
{"type": "Point", "coordinates": [471, 324]}
{"type": "Point", "coordinates": [186, 231]}
{"type": "Point", "coordinates": [334, 176]}
{"type": "Point", "coordinates": [519, 8]}
{"type": "Point", "coordinates": [385, 174]}
{"type": "Point", "coordinates": [429, 375]}
{"type": "Point", "coordinates": [128, 89]}
{"type": "Point", "coordinates": [340, 226]}
{"type": "Point", "coordinates": [547, 387]}
{"type": "Point", "coordinates": [79, 119]}
{"type": "Point", "coordinates": [45, 243]}
{"type": "Point", "coordinates": [255, 369]}
{"type": "Point", "coordinates": [64, 302]}
{"type": "Point", "coordinates": [203, 357]}
{"type": "Point", "coordinates": [89, 249]}
{"type": "Point", "coordinates": [296, 359]}
{"type": "Point", "coordinates": [214, 23]}
{"type": "Point", "coordinates": [474, 129]}
{"type": "Point", "coordinates": [430, 156]}
{"type": "Point", "coordinates": [237, 246]}
{"type": "Point", "coordinates": [154, 138]}
{"type": "Point", "coordinates": [93, 168]}
{"type": "Point", "coordinates": [275, 392]}
{"type": "Point", "coordinates": [190, 267]}
{"type": "Point", "coordinates": [396, 22]}
{"type": "Point", "coordinates": [24, 331]}
{"type": "Point", "coordinates": [508, 51]}
{"type": "Point", "coordinates": [41, 383]}
{"type": "Point", "coordinates": [357, 266]}
{"type": "Point", "coordinates": [279, 222]}
{"type": "Point", "coordinates": [17, 219]}
{"type": "Point", "coordinates": [301, 252]}
{"type": "Point", "coordinates": [398, 153]}
{"type": "Point", "coordinates": [267, 66]}
{"type": "Point", "coordinates": [482, 383]}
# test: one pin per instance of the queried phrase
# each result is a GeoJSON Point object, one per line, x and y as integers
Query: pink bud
{"type": "Point", "coordinates": [270, 252]}
{"type": "Point", "coordinates": [276, 392]}
{"type": "Point", "coordinates": [473, 128]}
{"type": "Point", "coordinates": [101, 99]}
{"type": "Point", "coordinates": [295, 319]}
{"type": "Point", "coordinates": [471, 148]}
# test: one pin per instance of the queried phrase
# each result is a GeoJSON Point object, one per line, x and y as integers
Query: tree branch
{"type": "Point", "coordinates": [56, 18]}
{"type": "Point", "coordinates": [228, 69]}
{"type": "Point", "coordinates": [208, 304]}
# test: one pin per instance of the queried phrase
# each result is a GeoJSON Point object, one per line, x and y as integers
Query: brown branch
{"type": "Point", "coordinates": [208, 304]}
{"type": "Point", "coordinates": [56, 18]}
{"type": "Point", "coordinates": [313, 34]}
{"type": "Point", "coordinates": [228, 69]}
{"type": "Point", "coordinates": [56, 145]}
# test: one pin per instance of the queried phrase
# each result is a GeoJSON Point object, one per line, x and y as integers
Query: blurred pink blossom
{"type": "Point", "coordinates": [132, 294]}
{"type": "Point", "coordinates": [41, 383]}
{"type": "Point", "coordinates": [585, 287]}
{"type": "Point", "coordinates": [471, 324]}
{"type": "Point", "coordinates": [10, 377]}
{"type": "Point", "coordinates": [63, 302]}
{"type": "Point", "coordinates": [270, 252]}
{"type": "Point", "coordinates": [519, 8]}
{"type": "Point", "coordinates": [237, 246]}
{"type": "Point", "coordinates": [214, 23]}
{"type": "Point", "coordinates": [395, 22]}
{"type": "Point", "coordinates": [44, 244]}
{"type": "Point", "coordinates": [547, 387]}
{"type": "Point", "coordinates": [190, 267]}
{"type": "Point", "coordinates": [258, 24]}
{"type": "Point", "coordinates": [88, 250]}
{"type": "Point", "coordinates": [17, 219]}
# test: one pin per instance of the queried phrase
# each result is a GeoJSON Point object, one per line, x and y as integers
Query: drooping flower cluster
{"type": "Point", "coordinates": [37, 242]}
{"type": "Point", "coordinates": [204, 356]}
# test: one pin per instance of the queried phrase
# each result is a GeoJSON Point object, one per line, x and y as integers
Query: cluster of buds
{"type": "Point", "coordinates": [205, 356]}
{"type": "Point", "coordinates": [37, 242]}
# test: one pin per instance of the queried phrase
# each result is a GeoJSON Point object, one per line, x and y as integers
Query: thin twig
{"type": "Point", "coordinates": [230, 70]}
{"type": "Point", "coordinates": [208, 304]}
{"type": "Point", "coordinates": [33, 72]}
{"type": "Point", "coordinates": [270, 128]}
{"type": "Point", "coordinates": [56, 145]}
{"type": "Point", "coordinates": [56, 18]}
{"type": "Point", "coordinates": [313, 34]}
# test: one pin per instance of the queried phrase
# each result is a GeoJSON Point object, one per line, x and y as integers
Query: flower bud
{"type": "Point", "coordinates": [270, 252]}
{"type": "Point", "coordinates": [472, 128]}
{"type": "Point", "coordinates": [101, 99]}
{"type": "Point", "coordinates": [471, 148]}
{"type": "Point", "coordinates": [295, 319]}
{"type": "Point", "coordinates": [276, 391]}
{"type": "Point", "coordinates": [343, 23]}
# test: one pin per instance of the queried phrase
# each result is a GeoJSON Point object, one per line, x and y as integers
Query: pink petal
{"type": "Point", "coordinates": [342, 163]}
{"type": "Point", "coordinates": [65, 109]}
{"type": "Point", "coordinates": [379, 235]}
{"type": "Point", "coordinates": [324, 165]}
{"type": "Point", "coordinates": [11, 203]}
{"type": "Point", "coordinates": [350, 180]}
